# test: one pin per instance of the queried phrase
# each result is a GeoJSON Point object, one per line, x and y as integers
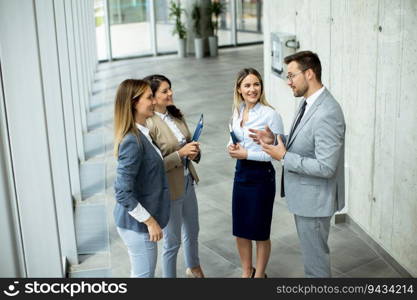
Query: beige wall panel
{"type": "Point", "coordinates": [342, 68]}
{"type": "Point", "coordinates": [373, 75]}
{"type": "Point", "coordinates": [404, 243]}
{"type": "Point", "coordinates": [359, 88]}
{"type": "Point", "coordinates": [279, 16]}
{"type": "Point", "coordinates": [314, 34]}
{"type": "Point", "coordinates": [389, 55]}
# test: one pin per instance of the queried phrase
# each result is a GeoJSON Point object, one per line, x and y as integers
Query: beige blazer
{"type": "Point", "coordinates": [166, 141]}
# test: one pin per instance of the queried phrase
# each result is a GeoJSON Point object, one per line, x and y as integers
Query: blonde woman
{"type": "Point", "coordinates": [170, 133]}
{"type": "Point", "coordinates": [141, 188]}
{"type": "Point", "coordinates": [254, 182]}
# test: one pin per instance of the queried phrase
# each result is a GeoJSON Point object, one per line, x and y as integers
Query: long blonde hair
{"type": "Point", "coordinates": [127, 95]}
{"type": "Point", "coordinates": [237, 97]}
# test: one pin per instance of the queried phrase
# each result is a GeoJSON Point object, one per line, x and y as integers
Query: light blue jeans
{"type": "Point", "coordinates": [142, 252]}
{"type": "Point", "coordinates": [183, 218]}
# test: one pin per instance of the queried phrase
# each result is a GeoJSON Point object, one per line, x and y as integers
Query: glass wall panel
{"type": "Point", "coordinates": [131, 34]}
{"type": "Point", "coordinates": [130, 28]}
{"type": "Point", "coordinates": [249, 21]}
{"type": "Point", "coordinates": [99, 13]}
{"type": "Point", "coordinates": [225, 24]}
{"type": "Point", "coordinates": [166, 41]}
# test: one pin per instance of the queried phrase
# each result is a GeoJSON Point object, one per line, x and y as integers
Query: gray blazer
{"type": "Point", "coordinates": [140, 177]}
{"type": "Point", "coordinates": [314, 162]}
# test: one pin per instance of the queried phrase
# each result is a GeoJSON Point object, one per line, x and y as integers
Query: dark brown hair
{"type": "Point", "coordinates": [155, 82]}
{"type": "Point", "coordinates": [306, 60]}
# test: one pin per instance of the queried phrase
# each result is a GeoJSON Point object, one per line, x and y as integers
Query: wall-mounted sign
{"type": "Point", "coordinates": [282, 45]}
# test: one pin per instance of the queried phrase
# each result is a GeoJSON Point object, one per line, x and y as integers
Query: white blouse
{"type": "Point", "coordinates": [259, 116]}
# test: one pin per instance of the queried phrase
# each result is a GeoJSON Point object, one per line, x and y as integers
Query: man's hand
{"type": "Point", "coordinates": [266, 136]}
{"type": "Point", "coordinates": [276, 152]}
{"type": "Point", "coordinates": [237, 151]}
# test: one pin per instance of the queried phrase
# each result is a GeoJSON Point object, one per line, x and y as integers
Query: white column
{"type": "Point", "coordinates": [52, 93]}
{"type": "Point", "coordinates": [83, 55]}
{"type": "Point", "coordinates": [25, 104]}
{"type": "Point", "coordinates": [75, 14]}
{"type": "Point", "coordinates": [108, 32]}
{"type": "Point", "coordinates": [92, 39]}
{"type": "Point", "coordinates": [79, 115]}
{"type": "Point", "coordinates": [11, 259]}
{"type": "Point", "coordinates": [152, 21]}
{"type": "Point", "coordinates": [233, 14]}
{"type": "Point", "coordinates": [66, 88]}
{"type": "Point", "coordinates": [87, 41]}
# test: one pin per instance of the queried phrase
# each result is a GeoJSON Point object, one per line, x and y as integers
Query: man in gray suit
{"type": "Point", "coordinates": [313, 160]}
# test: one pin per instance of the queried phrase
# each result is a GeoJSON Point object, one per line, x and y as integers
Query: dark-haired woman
{"type": "Point", "coordinates": [170, 133]}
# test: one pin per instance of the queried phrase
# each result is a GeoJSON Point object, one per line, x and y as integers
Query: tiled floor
{"type": "Point", "coordinates": [206, 86]}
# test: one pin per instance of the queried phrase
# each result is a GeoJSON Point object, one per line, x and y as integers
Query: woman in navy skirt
{"type": "Point", "coordinates": [254, 182]}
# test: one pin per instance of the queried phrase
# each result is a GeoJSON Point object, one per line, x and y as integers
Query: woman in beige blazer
{"type": "Point", "coordinates": [170, 133]}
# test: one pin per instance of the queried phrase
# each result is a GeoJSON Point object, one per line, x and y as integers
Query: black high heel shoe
{"type": "Point", "coordinates": [253, 273]}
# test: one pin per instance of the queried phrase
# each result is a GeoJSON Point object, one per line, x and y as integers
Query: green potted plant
{"type": "Point", "coordinates": [217, 7]}
{"type": "Point", "coordinates": [175, 12]}
{"type": "Point", "coordinates": [198, 40]}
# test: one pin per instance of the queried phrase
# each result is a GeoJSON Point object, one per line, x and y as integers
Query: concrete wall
{"type": "Point", "coordinates": [368, 50]}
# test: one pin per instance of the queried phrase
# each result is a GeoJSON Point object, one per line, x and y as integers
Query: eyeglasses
{"type": "Point", "coordinates": [290, 77]}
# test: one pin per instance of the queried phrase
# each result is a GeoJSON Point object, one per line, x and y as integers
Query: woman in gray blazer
{"type": "Point", "coordinates": [141, 188]}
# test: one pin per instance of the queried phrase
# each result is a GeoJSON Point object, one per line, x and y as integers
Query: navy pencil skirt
{"type": "Point", "coordinates": [253, 199]}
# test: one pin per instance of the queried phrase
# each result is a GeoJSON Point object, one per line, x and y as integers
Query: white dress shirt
{"type": "Point", "coordinates": [139, 212]}
{"type": "Point", "coordinates": [310, 100]}
{"type": "Point", "coordinates": [166, 117]}
{"type": "Point", "coordinates": [259, 116]}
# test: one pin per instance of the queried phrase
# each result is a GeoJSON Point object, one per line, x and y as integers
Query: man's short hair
{"type": "Point", "coordinates": [306, 60]}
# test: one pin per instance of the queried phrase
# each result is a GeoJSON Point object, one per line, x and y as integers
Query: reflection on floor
{"type": "Point", "coordinates": [206, 86]}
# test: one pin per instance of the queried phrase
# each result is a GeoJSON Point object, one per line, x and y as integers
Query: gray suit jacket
{"type": "Point", "coordinates": [140, 177]}
{"type": "Point", "coordinates": [314, 162]}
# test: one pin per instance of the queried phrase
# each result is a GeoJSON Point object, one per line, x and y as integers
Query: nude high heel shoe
{"type": "Point", "coordinates": [190, 274]}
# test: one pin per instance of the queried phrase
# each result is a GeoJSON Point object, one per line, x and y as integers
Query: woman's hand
{"type": "Point", "coordinates": [237, 151]}
{"type": "Point", "coordinates": [193, 156]}
{"type": "Point", "coordinates": [155, 231]}
{"type": "Point", "coordinates": [189, 150]}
